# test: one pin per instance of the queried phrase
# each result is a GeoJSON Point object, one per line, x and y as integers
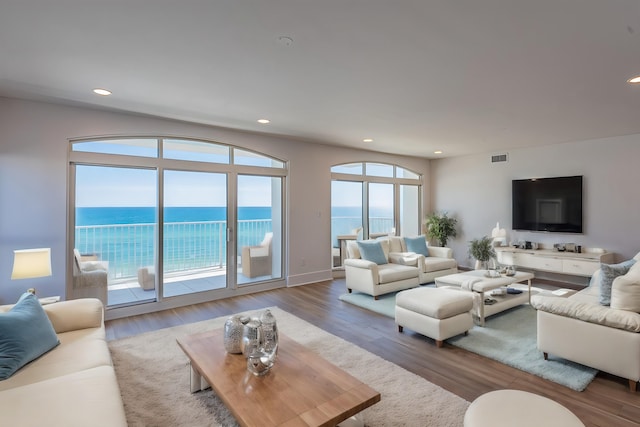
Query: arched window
{"type": "Point", "coordinates": [155, 218]}
{"type": "Point", "coordinates": [369, 200]}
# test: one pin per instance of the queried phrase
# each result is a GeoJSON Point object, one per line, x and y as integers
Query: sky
{"type": "Point", "coordinates": [99, 186]}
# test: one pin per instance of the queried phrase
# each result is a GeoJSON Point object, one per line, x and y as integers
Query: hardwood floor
{"type": "Point", "coordinates": [605, 403]}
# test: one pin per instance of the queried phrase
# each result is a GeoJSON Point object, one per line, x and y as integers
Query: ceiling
{"type": "Point", "coordinates": [416, 76]}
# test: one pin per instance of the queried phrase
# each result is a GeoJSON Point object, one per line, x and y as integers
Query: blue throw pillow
{"type": "Point", "coordinates": [417, 245]}
{"type": "Point", "coordinates": [372, 251]}
{"type": "Point", "coordinates": [608, 272]}
{"type": "Point", "coordinates": [26, 333]}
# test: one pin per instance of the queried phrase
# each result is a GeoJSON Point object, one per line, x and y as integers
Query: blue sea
{"type": "Point", "coordinates": [147, 215]}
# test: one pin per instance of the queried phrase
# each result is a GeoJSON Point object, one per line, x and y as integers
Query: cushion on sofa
{"type": "Point", "coordinates": [372, 251]}
{"type": "Point", "coordinates": [417, 245]}
{"type": "Point", "coordinates": [432, 264]}
{"type": "Point", "coordinates": [625, 292]}
{"type": "Point", "coordinates": [608, 272]}
{"type": "Point", "coordinates": [25, 334]}
{"type": "Point", "coordinates": [592, 313]}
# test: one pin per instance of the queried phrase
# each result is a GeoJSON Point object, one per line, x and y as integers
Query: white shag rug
{"type": "Point", "coordinates": [153, 374]}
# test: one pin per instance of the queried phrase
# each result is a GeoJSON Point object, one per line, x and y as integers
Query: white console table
{"type": "Point", "coordinates": [572, 263]}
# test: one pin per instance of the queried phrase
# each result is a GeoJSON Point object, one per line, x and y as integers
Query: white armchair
{"type": "Point", "coordinates": [256, 260]}
{"type": "Point", "coordinates": [90, 277]}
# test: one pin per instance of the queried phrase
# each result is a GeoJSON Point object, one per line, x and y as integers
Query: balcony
{"type": "Point", "coordinates": [194, 255]}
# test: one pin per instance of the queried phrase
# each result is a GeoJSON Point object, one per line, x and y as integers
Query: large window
{"type": "Point", "coordinates": [173, 218]}
{"type": "Point", "coordinates": [369, 200]}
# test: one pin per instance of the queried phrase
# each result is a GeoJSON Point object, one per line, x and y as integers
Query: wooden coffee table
{"type": "Point", "coordinates": [302, 388]}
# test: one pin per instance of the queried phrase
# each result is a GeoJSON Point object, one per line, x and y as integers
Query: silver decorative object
{"type": "Point", "coordinates": [233, 331]}
{"type": "Point", "coordinates": [269, 332]}
{"type": "Point", "coordinates": [251, 337]}
{"type": "Point", "coordinates": [260, 362]}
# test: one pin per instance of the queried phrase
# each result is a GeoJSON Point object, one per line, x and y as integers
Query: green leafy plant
{"type": "Point", "coordinates": [482, 249]}
{"type": "Point", "coordinates": [440, 227]}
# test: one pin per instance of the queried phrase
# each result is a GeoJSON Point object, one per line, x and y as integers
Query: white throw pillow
{"type": "Point", "coordinates": [625, 291]}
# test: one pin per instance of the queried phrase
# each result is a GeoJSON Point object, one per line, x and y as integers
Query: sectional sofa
{"type": "Point", "coordinates": [74, 384]}
{"type": "Point", "coordinates": [581, 329]}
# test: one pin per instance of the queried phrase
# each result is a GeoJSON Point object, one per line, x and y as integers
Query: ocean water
{"type": "Point", "coordinates": [147, 215]}
{"type": "Point", "coordinates": [194, 237]}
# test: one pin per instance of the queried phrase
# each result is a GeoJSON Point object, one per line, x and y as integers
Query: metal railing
{"type": "Point", "coordinates": [187, 245]}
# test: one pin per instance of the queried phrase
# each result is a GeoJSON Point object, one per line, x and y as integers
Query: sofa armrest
{"type": "Point", "coordinates": [587, 312]}
{"type": "Point", "coordinates": [440, 252]}
{"type": "Point", "coordinates": [75, 314]}
{"type": "Point", "coordinates": [359, 263]}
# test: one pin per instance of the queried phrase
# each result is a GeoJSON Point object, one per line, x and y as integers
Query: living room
{"type": "Point", "coordinates": [35, 130]}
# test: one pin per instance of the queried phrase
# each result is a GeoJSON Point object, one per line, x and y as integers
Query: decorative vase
{"type": "Point", "coordinates": [251, 337]}
{"type": "Point", "coordinates": [269, 332]}
{"type": "Point", "coordinates": [233, 332]}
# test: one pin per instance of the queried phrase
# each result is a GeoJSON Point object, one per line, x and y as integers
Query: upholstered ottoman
{"type": "Point", "coordinates": [434, 312]}
{"type": "Point", "coordinates": [508, 408]}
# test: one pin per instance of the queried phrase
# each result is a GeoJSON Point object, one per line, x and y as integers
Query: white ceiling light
{"type": "Point", "coordinates": [367, 140]}
{"type": "Point", "coordinates": [635, 79]}
{"type": "Point", "coordinates": [102, 92]}
{"type": "Point", "coordinates": [264, 121]}
{"type": "Point", "coordinates": [437, 152]}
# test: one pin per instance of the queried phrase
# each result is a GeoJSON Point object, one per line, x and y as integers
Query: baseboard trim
{"type": "Point", "coordinates": [307, 278]}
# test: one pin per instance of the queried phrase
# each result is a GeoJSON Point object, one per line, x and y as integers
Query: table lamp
{"type": "Point", "coordinates": [31, 263]}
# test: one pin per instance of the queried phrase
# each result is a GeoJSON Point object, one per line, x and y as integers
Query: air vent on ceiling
{"type": "Point", "coordinates": [497, 158]}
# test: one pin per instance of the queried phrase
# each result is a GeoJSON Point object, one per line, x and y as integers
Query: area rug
{"type": "Point", "coordinates": [508, 337]}
{"type": "Point", "coordinates": [153, 375]}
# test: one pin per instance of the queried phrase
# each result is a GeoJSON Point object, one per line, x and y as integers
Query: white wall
{"type": "Point", "coordinates": [478, 192]}
{"type": "Point", "coordinates": [33, 183]}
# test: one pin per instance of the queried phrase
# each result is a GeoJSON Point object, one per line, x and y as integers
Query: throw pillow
{"type": "Point", "coordinates": [417, 245]}
{"type": "Point", "coordinates": [26, 333]}
{"type": "Point", "coordinates": [625, 292]}
{"type": "Point", "coordinates": [608, 272]}
{"type": "Point", "coordinates": [372, 251]}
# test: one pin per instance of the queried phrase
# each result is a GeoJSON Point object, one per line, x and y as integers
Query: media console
{"type": "Point", "coordinates": [572, 263]}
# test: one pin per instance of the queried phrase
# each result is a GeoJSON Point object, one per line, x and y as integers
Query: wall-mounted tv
{"type": "Point", "coordinates": [547, 204]}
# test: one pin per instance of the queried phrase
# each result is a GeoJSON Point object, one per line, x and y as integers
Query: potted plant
{"type": "Point", "coordinates": [482, 251]}
{"type": "Point", "coordinates": [440, 227]}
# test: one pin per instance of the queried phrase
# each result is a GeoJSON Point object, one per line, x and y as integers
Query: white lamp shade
{"type": "Point", "coordinates": [31, 263]}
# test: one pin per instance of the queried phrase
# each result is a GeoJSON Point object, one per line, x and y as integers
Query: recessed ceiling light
{"type": "Point", "coordinates": [264, 121]}
{"type": "Point", "coordinates": [635, 79]}
{"type": "Point", "coordinates": [285, 40]}
{"type": "Point", "coordinates": [437, 152]}
{"type": "Point", "coordinates": [102, 92]}
{"type": "Point", "coordinates": [367, 140]}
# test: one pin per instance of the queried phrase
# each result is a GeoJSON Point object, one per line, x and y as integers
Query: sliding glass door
{"type": "Point", "coordinates": [115, 233]}
{"type": "Point", "coordinates": [194, 232]}
{"type": "Point", "coordinates": [175, 219]}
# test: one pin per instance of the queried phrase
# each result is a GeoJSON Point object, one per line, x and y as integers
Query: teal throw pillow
{"type": "Point", "coordinates": [372, 251]}
{"type": "Point", "coordinates": [26, 333]}
{"type": "Point", "coordinates": [608, 272]}
{"type": "Point", "coordinates": [417, 245]}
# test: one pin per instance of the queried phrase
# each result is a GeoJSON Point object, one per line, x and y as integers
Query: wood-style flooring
{"type": "Point", "coordinates": [605, 403]}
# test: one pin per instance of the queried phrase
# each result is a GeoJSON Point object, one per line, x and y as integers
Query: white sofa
{"type": "Point", "coordinates": [374, 279]}
{"type": "Point", "coordinates": [74, 384]}
{"type": "Point", "coordinates": [582, 330]}
{"type": "Point", "coordinates": [404, 270]}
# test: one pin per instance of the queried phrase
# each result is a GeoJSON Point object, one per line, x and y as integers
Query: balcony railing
{"type": "Point", "coordinates": [187, 245]}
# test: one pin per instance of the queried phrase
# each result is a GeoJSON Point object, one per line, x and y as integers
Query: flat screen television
{"type": "Point", "coordinates": [547, 204]}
